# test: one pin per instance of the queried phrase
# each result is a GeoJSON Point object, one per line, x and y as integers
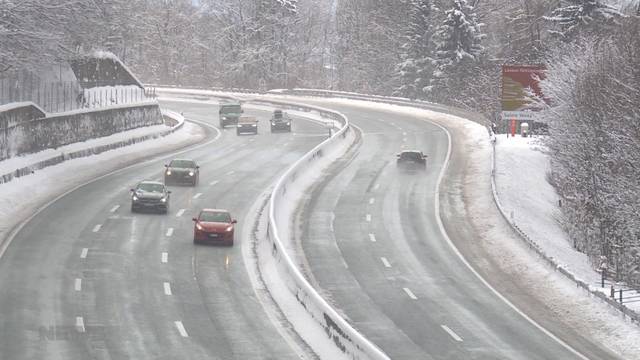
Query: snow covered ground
{"type": "Point", "coordinates": [532, 204]}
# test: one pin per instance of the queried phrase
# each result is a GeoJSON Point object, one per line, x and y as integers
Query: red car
{"type": "Point", "coordinates": [213, 226]}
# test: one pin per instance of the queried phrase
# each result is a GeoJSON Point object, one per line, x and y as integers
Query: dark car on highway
{"type": "Point", "coordinates": [247, 125]}
{"type": "Point", "coordinates": [214, 226]}
{"type": "Point", "coordinates": [182, 171]}
{"type": "Point", "coordinates": [229, 113]}
{"type": "Point", "coordinates": [411, 159]}
{"type": "Point", "coordinates": [280, 121]}
{"type": "Point", "coordinates": [150, 195]}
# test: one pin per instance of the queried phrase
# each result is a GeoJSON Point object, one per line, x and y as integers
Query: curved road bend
{"type": "Point", "coordinates": [87, 279]}
{"type": "Point", "coordinates": [386, 265]}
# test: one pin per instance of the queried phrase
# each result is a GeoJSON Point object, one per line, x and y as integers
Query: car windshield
{"type": "Point", "coordinates": [151, 187]}
{"type": "Point", "coordinates": [410, 156]}
{"type": "Point", "coordinates": [215, 216]}
{"type": "Point", "coordinates": [182, 164]}
{"type": "Point", "coordinates": [230, 109]}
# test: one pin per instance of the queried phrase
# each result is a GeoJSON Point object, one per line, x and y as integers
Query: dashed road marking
{"type": "Point", "coordinates": [372, 200]}
{"type": "Point", "coordinates": [372, 237]}
{"type": "Point", "coordinates": [385, 262]}
{"type": "Point", "coordinates": [376, 187]}
{"type": "Point", "coordinates": [404, 139]}
{"type": "Point", "coordinates": [80, 324]}
{"type": "Point", "coordinates": [181, 329]}
{"type": "Point", "coordinates": [115, 208]}
{"type": "Point", "coordinates": [165, 257]}
{"type": "Point", "coordinates": [78, 285]}
{"type": "Point", "coordinates": [97, 228]}
{"type": "Point", "coordinates": [404, 133]}
{"type": "Point", "coordinates": [410, 293]}
{"type": "Point", "coordinates": [167, 288]}
{"type": "Point", "coordinates": [230, 172]}
{"type": "Point", "coordinates": [197, 195]}
{"type": "Point", "coordinates": [451, 333]}
{"type": "Point", "coordinates": [83, 254]}
{"type": "Point", "coordinates": [169, 231]}
{"type": "Point", "coordinates": [368, 217]}
{"type": "Point", "coordinates": [214, 182]}
{"type": "Point", "coordinates": [180, 212]}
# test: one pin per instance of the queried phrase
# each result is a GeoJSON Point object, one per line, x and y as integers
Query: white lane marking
{"type": "Point", "coordinates": [404, 133]}
{"type": "Point", "coordinates": [83, 254]}
{"type": "Point", "coordinates": [78, 285]}
{"type": "Point", "coordinates": [451, 333]}
{"type": "Point", "coordinates": [368, 217]}
{"type": "Point", "coordinates": [410, 293]}
{"type": "Point", "coordinates": [181, 329]}
{"type": "Point", "coordinates": [80, 324]}
{"type": "Point", "coordinates": [214, 182]}
{"type": "Point", "coordinates": [115, 208]}
{"type": "Point", "coordinates": [169, 231]}
{"type": "Point", "coordinates": [372, 237]}
{"type": "Point", "coordinates": [404, 139]}
{"type": "Point", "coordinates": [285, 144]}
{"type": "Point", "coordinates": [167, 288]}
{"type": "Point", "coordinates": [372, 200]}
{"type": "Point", "coordinates": [197, 195]}
{"type": "Point", "coordinates": [230, 172]}
{"type": "Point", "coordinates": [333, 219]}
{"type": "Point", "coordinates": [180, 212]}
{"type": "Point", "coordinates": [436, 205]}
{"type": "Point", "coordinates": [165, 257]}
{"type": "Point", "coordinates": [376, 187]}
{"type": "Point", "coordinates": [385, 262]}
{"type": "Point", "coordinates": [97, 228]}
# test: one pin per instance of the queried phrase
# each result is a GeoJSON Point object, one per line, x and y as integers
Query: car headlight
{"type": "Point", "coordinates": [273, 123]}
{"type": "Point", "coordinates": [134, 198]}
{"type": "Point", "coordinates": [254, 125]}
{"type": "Point", "coordinates": [239, 125]}
{"type": "Point", "coordinates": [198, 226]}
{"type": "Point", "coordinates": [230, 228]}
{"type": "Point", "coordinates": [191, 173]}
{"type": "Point", "coordinates": [224, 118]}
{"type": "Point", "coordinates": [288, 123]}
{"type": "Point", "coordinates": [164, 199]}
{"type": "Point", "coordinates": [168, 172]}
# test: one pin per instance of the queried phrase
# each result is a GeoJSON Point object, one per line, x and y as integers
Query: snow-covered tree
{"type": "Point", "coordinates": [415, 69]}
{"type": "Point", "coordinates": [457, 46]}
{"type": "Point", "coordinates": [572, 16]}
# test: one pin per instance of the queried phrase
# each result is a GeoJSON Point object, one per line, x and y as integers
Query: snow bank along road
{"type": "Point", "coordinates": [87, 279]}
{"type": "Point", "coordinates": [387, 266]}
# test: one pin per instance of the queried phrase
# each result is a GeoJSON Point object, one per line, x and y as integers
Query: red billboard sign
{"type": "Point", "coordinates": [521, 92]}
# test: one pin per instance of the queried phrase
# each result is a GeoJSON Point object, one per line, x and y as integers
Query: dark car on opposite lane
{"type": "Point", "coordinates": [410, 159]}
{"type": "Point", "coordinates": [214, 226]}
{"type": "Point", "coordinates": [150, 195]}
{"type": "Point", "coordinates": [182, 171]}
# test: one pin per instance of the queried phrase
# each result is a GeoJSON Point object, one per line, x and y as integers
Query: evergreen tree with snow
{"type": "Point", "coordinates": [572, 16]}
{"type": "Point", "coordinates": [415, 69]}
{"type": "Point", "coordinates": [457, 46]}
